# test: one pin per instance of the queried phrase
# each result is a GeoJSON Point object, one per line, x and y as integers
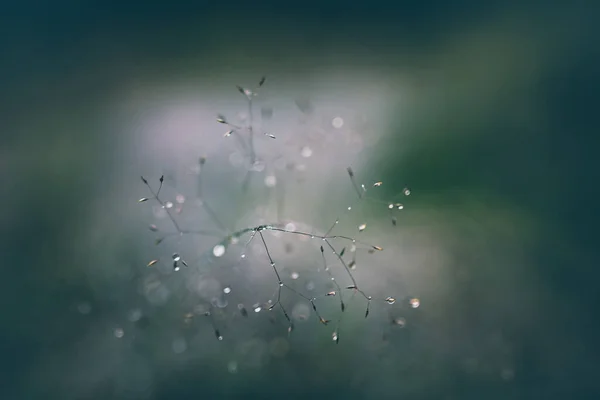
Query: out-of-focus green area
{"type": "Point", "coordinates": [488, 118]}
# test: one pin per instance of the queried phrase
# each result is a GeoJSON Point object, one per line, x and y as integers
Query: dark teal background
{"type": "Point", "coordinates": [61, 61]}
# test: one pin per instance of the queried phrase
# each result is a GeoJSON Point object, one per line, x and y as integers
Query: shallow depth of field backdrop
{"type": "Point", "coordinates": [484, 110]}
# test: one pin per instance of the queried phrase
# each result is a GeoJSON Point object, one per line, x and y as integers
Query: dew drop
{"type": "Point", "coordinates": [168, 204]}
{"type": "Point", "coordinates": [227, 290]}
{"type": "Point", "coordinates": [180, 199]}
{"type": "Point", "coordinates": [153, 228]}
{"type": "Point", "coordinates": [294, 275]}
{"type": "Point", "coordinates": [270, 181]}
{"type": "Point", "coordinates": [337, 122]}
{"type": "Point", "coordinates": [399, 206]}
{"type": "Point", "coordinates": [306, 152]}
{"type": "Point", "coordinates": [218, 250]}
{"type": "Point", "coordinates": [176, 257]}
{"type": "Point", "coordinates": [257, 309]}
{"type": "Point", "coordinates": [406, 191]}
{"type": "Point", "coordinates": [334, 336]}
{"type": "Point", "coordinates": [119, 333]}
{"type": "Point", "coordinates": [390, 300]}
{"type": "Point", "coordinates": [414, 302]}
{"type": "Point", "coordinates": [362, 227]}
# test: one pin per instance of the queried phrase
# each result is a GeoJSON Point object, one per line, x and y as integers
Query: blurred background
{"type": "Point", "coordinates": [482, 110]}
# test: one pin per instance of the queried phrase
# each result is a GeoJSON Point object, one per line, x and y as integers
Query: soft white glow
{"type": "Point", "coordinates": [270, 181]}
{"type": "Point", "coordinates": [337, 122]}
{"type": "Point", "coordinates": [218, 250]}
